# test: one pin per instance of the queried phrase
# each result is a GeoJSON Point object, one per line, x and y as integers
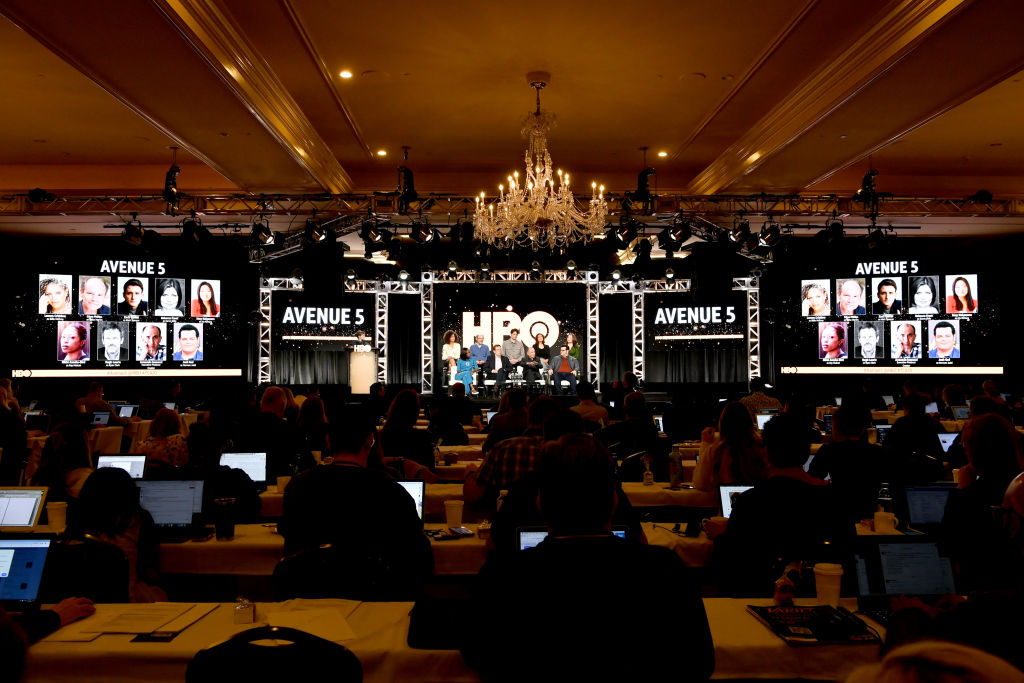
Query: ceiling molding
{"type": "Point", "coordinates": [210, 31]}
{"type": "Point", "coordinates": [821, 94]}
{"type": "Point", "coordinates": [317, 57]}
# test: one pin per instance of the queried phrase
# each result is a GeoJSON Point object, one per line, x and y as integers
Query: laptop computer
{"type": "Point", "coordinates": [946, 440]}
{"type": "Point", "coordinates": [531, 536]}
{"type": "Point", "coordinates": [170, 405]}
{"type": "Point", "coordinates": [961, 412]}
{"type": "Point", "coordinates": [926, 504]}
{"type": "Point", "coordinates": [932, 408]}
{"type": "Point", "coordinates": [21, 571]}
{"type": "Point", "coordinates": [838, 400]}
{"type": "Point", "coordinates": [20, 507]}
{"type": "Point", "coordinates": [659, 422]}
{"type": "Point", "coordinates": [883, 433]}
{"type": "Point", "coordinates": [490, 414]}
{"type": "Point", "coordinates": [888, 400]}
{"type": "Point", "coordinates": [100, 418]}
{"type": "Point", "coordinates": [828, 422]}
{"type": "Point", "coordinates": [173, 505]}
{"type": "Point", "coordinates": [415, 489]}
{"type": "Point", "coordinates": [762, 420]}
{"type": "Point", "coordinates": [135, 465]}
{"type": "Point", "coordinates": [891, 566]}
{"type": "Point", "coordinates": [253, 464]}
{"type": "Point", "coordinates": [728, 494]}
{"type": "Point", "coordinates": [127, 411]}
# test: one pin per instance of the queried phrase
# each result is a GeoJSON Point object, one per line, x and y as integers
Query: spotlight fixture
{"type": "Point", "coordinates": [485, 269]}
{"type": "Point", "coordinates": [423, 233]}
{"type": "Point", "coordinates": [670, 275]}
{"type": "Point", "coordinates": [770, 234]}
{"type": "Point", "coordinates": [261, 232]}
{"type": "Point", "coordinates": [616, 275]}
{"type": "Point", "coordinates": [626, 232]}
{"type": "Point", "coordinates": [133, 231]}
{"type": "Point", "coordinates": [680, 231]}
{"type": "Point", "coordinates": [453, 268]}
{"type": "Point", "coordinates": [406, 188]}
{"type": "Point", "coordinates": [403, 275]}
{"type": "Point", "coordinates": [570, 267]}
{"type": "Point", "coordinates": [38, 195]}
{"type": "Point", "coordinates": [350, 275]}
{"type": "Point", "coordinates": [314, 232]}
{"type": "Point", "coordinates": [535, 270]}
{"type": "Point", "coordinates": [193, 232]}
{"type": "Point", "coordinates": [740, 231]}
{"type": "Point", "coordinates": [833, 232]}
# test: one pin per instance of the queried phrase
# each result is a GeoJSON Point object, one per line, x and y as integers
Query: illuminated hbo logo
{"type": "Point", "coordinates": [21, 373]}
{"type": "Point", "coordinates": [495, 326]}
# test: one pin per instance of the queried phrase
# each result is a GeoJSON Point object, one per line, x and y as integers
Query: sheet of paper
{"type": "Point", "coordinates": [190, 617]}
{"type": "Point", "coordinates": [328, 623]}
{"type": "Point", "coordinates": [139, 618]}
{"type": "Point", "coordinates": [72, 633]}
{"type": "Point", "coordinates": [346, 607]}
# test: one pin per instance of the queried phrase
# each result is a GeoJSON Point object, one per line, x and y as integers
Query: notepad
{"type": "Point", "coordinates": [327, 623]}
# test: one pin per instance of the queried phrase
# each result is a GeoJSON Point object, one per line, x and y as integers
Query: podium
{"type": "Point", "coordinates": [362, 370]}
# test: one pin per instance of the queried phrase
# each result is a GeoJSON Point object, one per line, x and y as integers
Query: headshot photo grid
{"type": "Point", "coordinates": [892, 319]}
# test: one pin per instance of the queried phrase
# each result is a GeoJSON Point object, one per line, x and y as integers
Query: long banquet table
{"type": "Point", "coordinates": [743, 647]}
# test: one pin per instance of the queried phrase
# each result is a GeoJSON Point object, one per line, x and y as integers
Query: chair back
{"type": "Point", "coordinates": [85, 568]}
{"type": "Point", "coordinates": [106, 440]}
{"type": "Point", "coordinates": [141, 434]}
{"type": "Point", "coordinates": [331, 572]}
{"type": "Point", "coordinates": [295, 655]}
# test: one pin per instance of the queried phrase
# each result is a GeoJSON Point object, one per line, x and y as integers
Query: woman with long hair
{"type": "Point", "coordinates": [205, 304]}
{"type": "Point", "coordinates": [573, 344]}
{"type": "Point", "coordinates": [962, 299]}
{"type": "Point", "coordinates": [74, 341]}
{"type": "Point", "coordinates": [54, 296]}
{"type": "Point", "coordinates": [312, 422]}
{"type": "Point", "coordinates": [165, 442]}
{"type": "Point", "coordinates": [923, 295]}
{"type": "Point", "coordinates": [399, 438]}
{"type": "Point", "coordinates": [735, 456]}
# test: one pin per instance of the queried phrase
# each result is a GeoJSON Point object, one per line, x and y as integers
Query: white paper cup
{"type": "Point", "coordinates": [453, 512]}
{"type": "Point", "coordinates": [885, 523]}
{"type": "Point", "coordinates": [827, 579]}
{"type": "Point", "coordinates": [282, 482]}
{"type": "Point", "coordinates": [57, 514]}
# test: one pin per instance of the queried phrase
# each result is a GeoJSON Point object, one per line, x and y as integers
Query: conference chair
{"type": "Point", "coordinates": [335, 572]}
{"type": "Point", "coordinates": [294, 655]}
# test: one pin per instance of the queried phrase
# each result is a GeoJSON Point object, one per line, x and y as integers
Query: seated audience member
{"type": "Point", "coordinates": [65, 463]}
{"type": "Point", "coordinates": [735, 456]}
{"type": "Point", "coordinates": [312, 424]}
{"type": "Point", "coordinates": [377, 403]}
{"type": "Point", "coordinates": [510, 421]}
{"type": "Point", "coordinates": [270, 433]}
{"type": "Point", "coordinates": [165, 442]}
{"type": "Point", "coordinates": [18, 631]}
{"type": "Point", "coordinates": [588, 408]}
{"type": "Point", "coordinates": [914, 442]}
{"type": "Point", "coordinates": [939, 662]}
{"type": "Point", "coordinates": [635, 434]}
{"type": "Point", "coordinates": [989, 388]}
{"type": "Point", "coordinates": [109, 511]}
{"type": "Point", "coordinates": [575, 594]}
{"type": "Point", "coordinates": [511, 458]}
{"type": "Point", "coordinates": [787, 518]}
{"type": "Point", "coordinates": [758, 401]}
{"type": "Point", "coordinates": [356, 509]}
{"type": "Point", "coordinates": [973, 527]}
{"type": "Point", "coordinates": [399, 438]}
{"type": "Point", "coordinates": [462, 408]}
{"type": "Point", "coordinates": [617, 392]}
{"type": "Point", "coordinates": [93, 402]}
{"type": "Point", "coordinates": [855, 467]}
{"type": "Point", "coordinates": [445, 421]}
{"type": "Point", "coordinates": [12, 437]}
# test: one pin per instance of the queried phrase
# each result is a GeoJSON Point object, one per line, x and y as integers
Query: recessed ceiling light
{"type": "Point", "coordinates": [662, 154]}
{"type": "Point", "coordinates": [346, 74]}
{"type": "Point", "coordinates": [753, 157]}
{"type": "Point", "coordinates": [995, 144]}
{"type": "Point", "coordinates": [382, 152]}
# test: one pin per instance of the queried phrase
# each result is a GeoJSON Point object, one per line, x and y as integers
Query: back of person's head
{"type": "Point", "coordinates": [914, 404]}
{"type": "Point", "coordinates": [787, 440]}
{"type": "Point", "coordinates": [735, 424]}
{"type": "Point", "coordinates": [635, 406]}
{"type": "Point", "coordinates": [585, 391]}
{"type": "Point", "coordinates": [540, 409]}
{"type": "Point", "coordinates": [165, 423]}
{"type": "Point", "coordinates": [630, 381]}
{"type": "Point", "coordinates": [516, 398]}
{"type": "Point", "coordinates": [274, 401]}
{"type": "Point", "coordinates": [757, 384]}
{"type": "Point", "coordinates": [992, 447]}
{"type": "Point", "coordinates": [108, 502]}
{"type": "Point", "coordinates": [851, 420]}
{"type": "Point", "coordinates": [577, 484]}
{"type": "Point", "coordinates": [95, 388]}
{"type": "Point", "coordinates": [13, 649]}
{"type": "Point", "coordinates": [990, 388]}
{"type": "Point", "coordinates": [985, 405]}
{"type": "Point", "coordinates": [562, 422]}
{"type": "Point", "coordinates": [953, 395]}
{"type": "Point", "coordinates": [458, 390]}
{"type": "Point", "coordinates": [66, 449]}
{"type": "Point", "coordinates": [934, 661]}
{"type": "Point", "coordinates": [404, 410]}
{"type": "Point", "coordinates": [312, 412]}
{"type": "Point", "coordinates": [348, 430]}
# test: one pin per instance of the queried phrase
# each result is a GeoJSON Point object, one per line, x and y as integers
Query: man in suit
{"type": "Point", "coordinates": [868, 346]}
{"type": "Point", "coordinates": [497, 367]}
{"type": "Point", "coordinates": [887, 303]}
{"type": "Point", "coordinates": [564, 367]}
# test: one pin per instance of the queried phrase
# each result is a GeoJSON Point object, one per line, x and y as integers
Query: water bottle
{"type": "Point", "coordinates": [884, 499]}
{"type": "Point", "coordinates": [501, 499]}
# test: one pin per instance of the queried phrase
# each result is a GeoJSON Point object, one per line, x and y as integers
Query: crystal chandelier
{"type": "Point", "coordinates": [539, 207]}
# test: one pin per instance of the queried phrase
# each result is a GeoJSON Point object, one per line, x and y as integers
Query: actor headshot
{"type": "Point", "coordinates": [114, 338]}
{"type": "Point", "coordinates": [189, 342]}
{"type": "Point", "coordinates": [133, 297]}
{"type": "Point", "coordinates": [73, 341]}
{"type": "Point", "coordinates": [887, 297]}
{"type": "Point", "coordinates": [850, 294]}
{"type": "Point", "coordinates": [831, 340]}
{"type": "Point", "coordinates": [944, 339]}
{"type": "Point", "coordinates": [904, 340]}
{"type": "Point", "coordinates": [814, 297]}
{"type": "Point", "coordinates": [55, 294]}
{"type": "Point", "coordinates": [868, 341]}
{"type": "Point", "coordinates": [94, 295]}
{"type": "Point", "coordinates": [150, 342]}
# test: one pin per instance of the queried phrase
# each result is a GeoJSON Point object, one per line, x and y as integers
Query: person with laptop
{"type": "Point", "coordinates": [93, 402]}
{"type": "Point", "coordinates": [916, 451]}
{"type": "Point", "coordinates": [569, 608]}
{"type": "Point", "coordinates": [269, 432]}
{"type": "Point", "coordinates": [735, 456]}
{"type": "Point", "coordinates": [855, 467]}
{"type": "Point", "coordinates": [511, 420]}
{"type": "Point", "coordinates": [361, 511]}
{"type": "Point", "coordinates": [64, 465]}
{"type": "Point", "coordinates": [637, 433]}
{"type": "Point", "coordinates": [758, 401]}
{"type": "Point", "coordinates": [789, 517]}
{"type": "Point", "coordinates": [165, 443]}
{"type": "Point", "coordinates": [588, 408]}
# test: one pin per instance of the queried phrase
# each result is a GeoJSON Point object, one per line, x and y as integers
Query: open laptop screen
{"type": "Point", "coordinates": [659, 422]}
{"type": "Point", "coordinates": [127, 411]}
{"type": "Point", "coordinates": [762, 420]}
{"type": "Point", "coordinates": [927, 504]}
{"type": "Point", "coordinates": [946, 440]}
{"type": "Point", "coordinates": [911, 568]}
{"type": "Point", "coordinates": [728, 495]}
{"type": "Point", "coordinates": [253, 464]}
{"type": "Point", "coordinates": [20, 507]}
{"type": "Point", "coordinates": [21, 570]}
{"type": "Point", "coordinates": [135, 465]}
{"type": "Point", "coordinates": [415, 489]}
{"type": "Point", "coordinates": [101, 418]}
{"type": "Point", "coordinates": [172, 503]}
{"type": "Point", "coordinates": [530, 537]}
{"type": "Point", "coordinates": [961, 412]}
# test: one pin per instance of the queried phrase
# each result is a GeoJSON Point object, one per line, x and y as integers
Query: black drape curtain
{"type": "Point", "coordinates": [404, 339]}
{"type": "Point", "coordinates": [309, 367]}
{"type": "Point", "coordinates": [696, 365]}
{"type": "Point", "coordinates": [616, 342]}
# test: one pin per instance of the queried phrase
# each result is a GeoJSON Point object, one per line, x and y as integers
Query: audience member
{"type": "Point", "coordinates": [735, 456]}
{"type": "Point", "coordinates": [446, 418]}
{"type": "Point", "coordinates": [588, 408]}
{"type": "Point", "coordinates": [64, 464]}
{"type": "Point", "coordinates": [12, 439]}
{"type": "Point", "coordinates": [359, 510]}
{"type": "Point", "coordinates": [636, 434]}
{"type": "Point", "coordinates": [577, 591]}
{"type": "Point", "coordinates": [937, 661]}
{"type": "Point", "coordinates": [758, 401]}
{"type": "Point", "coordinates": [312, 424]}
{"type": "Point", "coordinates": [510, 421]}
{"type": "Point", "coordinates": [399, 438]}
{"type": "Point", "coordinates": [93, 402]}
{"type": "Point", "coordinates": [270, 433]}
{"type": "Point", "coordinates": [855, 467]}
{"type": "Point", "coordinates": [165, 442]}
{"type": "Point", "coordinates": [914, 442]}
{"type": "Point", "coordinates": [18, 631]}
{"type": "Point", "coordinates": [790, 517]}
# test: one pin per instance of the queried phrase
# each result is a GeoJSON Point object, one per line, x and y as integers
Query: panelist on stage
{"type": "Point", "coordinates": [533, 367]}
{"type": "Point", "coordinates": [478, 353]}
{"type": "Point", "coordinates": [515, 349]}
{"type": "Point", "coordinates": [498, 367]}
{"type": "Point", "coordinates": [361, 343]}
{"type": "Point", "coordinates": [564, 367]}
{"type": "Point", "coordinates": [464, 370]}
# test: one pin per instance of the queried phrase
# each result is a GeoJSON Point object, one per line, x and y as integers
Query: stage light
{"type": "Point", "coordinates": [832, 233]}
{"type": "Point", "coordinates": [170, 193]}
{"type": "Point", "coordinates": [350, 275]}
{"type": "Point", "coordinates": [535, 273]}
{"type": "Point", "coordinates": [626, 232]}
{"type": "Point", "coordinates": [981, 197]}
{"type": "Point", "coordinates": [570, 267]}
{"type": "Point", "coordinates": [261, 233]}
{"type": "Point", "coordinates": [133, 231]}
{"type": "Point", "coordinates": [740, 231]}
{"type": "Point", "coordinates": [403, 275]}
{"type": "Point", "coordinates": [38, 195]}
{"type": "Point", "coordinates": [423, 233]}
{"type": "Point", "coordinates": [426, 273]}
{"type": "Point", "coordinates": [314, 232]}
{"type": "Point", "coordinates": [770, 235]}
{"type": "Point", "coordinates": [193, 232]}
{"type": "Point", "coordinates": [616, 275]}
{"type": "Point", "coordinates": [670, 275]}
{"type": "Point", "coordinates": [453, 268]}
{"type": "Point", "coordinates": [485, 269]}
{"type": "Point", "coordinates": [680, 231]}
{"type": "Point", "coordinates": [346, 74]}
